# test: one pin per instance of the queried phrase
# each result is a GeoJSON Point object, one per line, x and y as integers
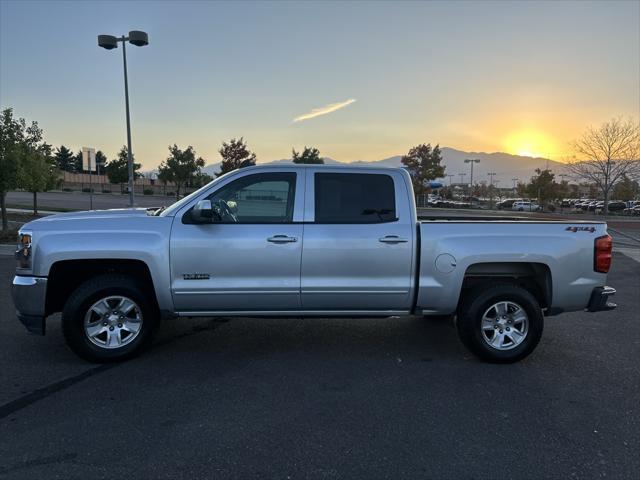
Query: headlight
{"type": "Point", "coordinates": [23, 252]}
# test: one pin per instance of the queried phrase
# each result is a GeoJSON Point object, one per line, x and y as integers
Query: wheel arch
{"type": "Point", "coordinates": [532, 276]}
{"type": "Point", "coordinates": [66, 275]}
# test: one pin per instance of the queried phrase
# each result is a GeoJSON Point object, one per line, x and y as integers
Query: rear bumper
{"type": "Point", "coordinates": [29, 295]}
{"type": "Point", "coordinates": [599, 300]}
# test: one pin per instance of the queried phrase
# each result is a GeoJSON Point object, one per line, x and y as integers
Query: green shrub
{"type": "Point", "coordinates": [87, 190]}
{"type": "Point", "coordinates": [147, 191]}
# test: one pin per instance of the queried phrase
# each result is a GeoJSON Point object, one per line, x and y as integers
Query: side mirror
{"type": "Point", "coordinates": [203, 212]}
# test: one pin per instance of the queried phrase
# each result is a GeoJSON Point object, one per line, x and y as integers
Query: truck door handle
{"type": "Point", "coordinates": [393, 239]}
{"type": "Point", "coordinates": [282, 239]}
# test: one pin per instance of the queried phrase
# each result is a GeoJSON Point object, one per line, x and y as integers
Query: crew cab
{"type": "Point", "coordinates": [305, 241]}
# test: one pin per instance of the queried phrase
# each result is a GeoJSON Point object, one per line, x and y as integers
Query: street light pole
{"type": "Point", "coordinates": [450, 177]}
{"type": "Point", "coordinates": [109, 42]}
{"type": "Point", "coordinates": [126, 101]}
{"type": "Point", "coordinates": [472, 161]}
{"type": "Point", "coordinates": [491, 175]}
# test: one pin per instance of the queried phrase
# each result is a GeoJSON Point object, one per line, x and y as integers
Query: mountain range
{"type": "Point", "coordinates": [506, 166]}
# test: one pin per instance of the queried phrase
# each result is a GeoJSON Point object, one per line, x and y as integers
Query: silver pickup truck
{"type": "Point", "coordinates": [311, 241]}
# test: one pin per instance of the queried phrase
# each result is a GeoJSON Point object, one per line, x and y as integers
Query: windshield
{"type": "Point", "coordinates": [174, 207]}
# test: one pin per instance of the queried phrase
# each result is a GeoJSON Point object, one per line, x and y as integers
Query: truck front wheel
{"type": "Point", "coordinates": [500, 323]}
{"type": "Point", "coordinates": [108, 318]}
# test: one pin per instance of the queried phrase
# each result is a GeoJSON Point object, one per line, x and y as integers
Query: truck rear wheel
{"type": "Point", "coordinates": [500, 323]}
{"type": "Point", "coordinates": [108, 318]}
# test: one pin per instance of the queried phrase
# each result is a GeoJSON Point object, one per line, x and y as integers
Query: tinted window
{"type": "Point", "coordinates": [259, 198]}
{"type": "Point", "coordinates": [354, 198]}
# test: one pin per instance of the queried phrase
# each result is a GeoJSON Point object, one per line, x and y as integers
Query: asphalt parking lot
{"type": "Point", "coordinates": [341, 398]}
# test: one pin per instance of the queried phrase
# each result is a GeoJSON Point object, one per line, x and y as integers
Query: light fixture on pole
{"type": "Point", "coordinates": [109, 42]}
{"type": "Point", "coordinates": [462, 175]}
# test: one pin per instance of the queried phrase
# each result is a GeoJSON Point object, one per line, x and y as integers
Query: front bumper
{"type": "Point", "coordinates": [599, 300]}
{"type": "Point", "coordinates": [29, 296]}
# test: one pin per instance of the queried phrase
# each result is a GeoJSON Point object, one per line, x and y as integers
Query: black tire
{"type": "Point", "coordinates": [90, 292]}
{"type": "Point", "coordinates": [474, 306]}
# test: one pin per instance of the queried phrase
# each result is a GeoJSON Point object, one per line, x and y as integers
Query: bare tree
{"type": "Point", "coordinates": [605, 154]}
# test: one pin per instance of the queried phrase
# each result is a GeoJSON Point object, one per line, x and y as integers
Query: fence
{"type": "Point", "coordinates": [82, 182]}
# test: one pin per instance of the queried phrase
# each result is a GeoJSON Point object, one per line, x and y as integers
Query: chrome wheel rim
{"type": "Point", "coordinates": [113, 322]}
{"type": "Point", "coordinates": [505, 325]}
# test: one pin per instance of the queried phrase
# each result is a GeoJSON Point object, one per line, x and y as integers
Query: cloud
{"type": "Point", "coordinates": [316, 112]}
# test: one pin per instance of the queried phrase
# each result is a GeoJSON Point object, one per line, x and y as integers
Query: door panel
{"type": "Point", "coordinates": [246, 271]}
{"type": "Point", "coordinates": [249, 256]}
{"type": "Point", "coordinates": [356, 266]}
{"type": "Point", "coordinates": [347, 267]}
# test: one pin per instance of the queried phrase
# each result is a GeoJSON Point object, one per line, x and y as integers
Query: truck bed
{"type": "Point", "coordinates": [450, 246]}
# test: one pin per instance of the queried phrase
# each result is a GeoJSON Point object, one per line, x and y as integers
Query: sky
{"type": "Point", "coordinates": [359, 80]}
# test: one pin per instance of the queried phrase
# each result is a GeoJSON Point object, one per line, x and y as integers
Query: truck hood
{"type": "Point", "coordinates": [95, 215]}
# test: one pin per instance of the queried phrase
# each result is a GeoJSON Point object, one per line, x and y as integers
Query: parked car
{"type": "Point", "coordinates": [583, 204]}
{"type": "Point", "coordinates": [617, 206]}
{"type": "Point", "coordinates": [525, 206]}
{"type": "Point", "coordinates": [613, 206]}
{"type": "Point", "coordinates": [632, 207]}
{"type": "Point", "coordinates": [304, 241]}
{"type": "Point", "coordinates": [507, 204]}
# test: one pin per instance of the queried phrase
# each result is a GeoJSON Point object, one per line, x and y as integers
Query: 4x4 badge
{"type": "Point", "coordinates": [581, 229]}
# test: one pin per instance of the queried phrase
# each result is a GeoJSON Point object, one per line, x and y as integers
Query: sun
{"type": "Point", "coordinates": [529, 143]}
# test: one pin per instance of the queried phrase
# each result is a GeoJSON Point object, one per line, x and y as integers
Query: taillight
{"type": "Point", "coordinates": [602, 254]}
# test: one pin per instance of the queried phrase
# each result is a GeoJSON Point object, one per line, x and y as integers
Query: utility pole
{"type": "Point", "coordinates": [562, 177]}
{"type": "Point", "coordinates": [491, 175]}
{"type": "Point", "coordinates": [471, 161]}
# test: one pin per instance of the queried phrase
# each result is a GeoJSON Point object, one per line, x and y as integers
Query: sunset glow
{"type": "Point", "coordinates": [481, 78]}
{"type": "Point", "coordinates": [530, 143]}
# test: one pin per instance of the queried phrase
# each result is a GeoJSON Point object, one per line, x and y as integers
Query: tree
{"type": "Point", "coordinates": [521, 189]}
{"type": "Point", "coordinates": [77, 162]}
{"type": "Point", "coordinates": [101, 161]}
{"type": "Point", "coordinates": [626, 189]}
{"type": "Point", "coordinates": [64, 158]}
{"type": "Point", "coordinates": [607, 153]}
{"type": "Point", "coordinates": [118, 169]}
{"type": "Point", "coordinates": [200, 179]}
{"type": "Point", "coordinates": [235, 154]}
{"type": "Point", "coordinates": [17, 142]}
{"type": "Point", "coordinates": [543, 186]}
{"type": "Point", "coordinates": [423, 164]}
{"type": "Point", "coordinates": [180, 167]}
{"type": "Point", "coordinates": [309, 155]}
{"type": "Point", "coordinates": [38, 172]}
{"type": "Point", "coordinates": [11, 133]}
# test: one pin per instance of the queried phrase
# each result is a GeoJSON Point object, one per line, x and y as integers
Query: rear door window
{"type": "Point", "coordinates": [354, 198]}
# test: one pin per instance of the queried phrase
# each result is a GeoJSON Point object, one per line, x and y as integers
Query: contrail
{"type": "Point", "coordinates": [316, 112]}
